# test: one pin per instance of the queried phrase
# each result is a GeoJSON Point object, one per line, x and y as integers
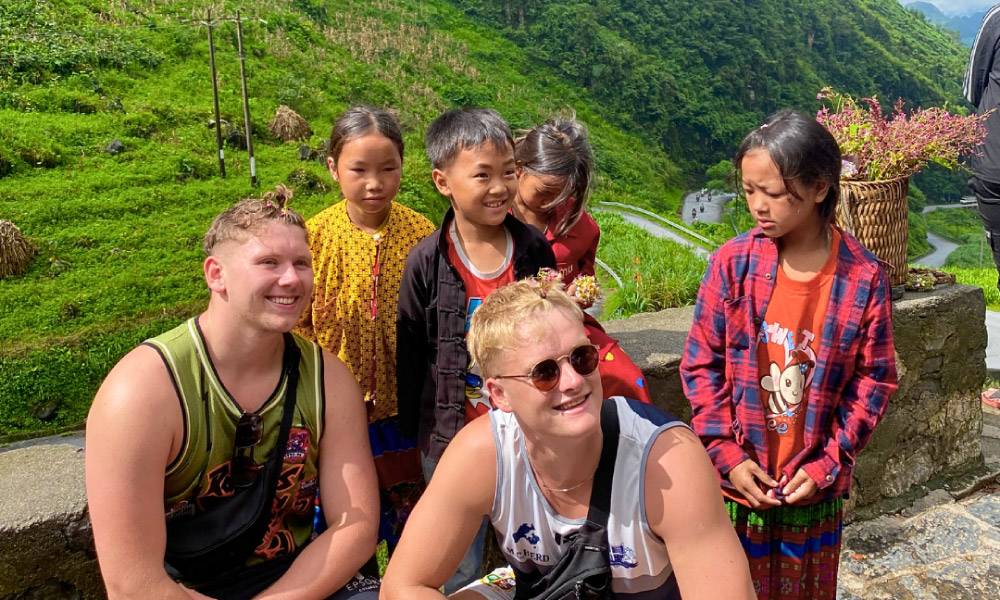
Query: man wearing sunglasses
{"type": "Point", "coordinates": [532, 467]}
{"type": "Point", "coordinates": [207, 445]}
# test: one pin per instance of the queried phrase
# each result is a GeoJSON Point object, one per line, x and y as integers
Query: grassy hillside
{"type": "Point", "coordinates": [118, 236]}
{"type": "Point", "coordinates": [696, 75]}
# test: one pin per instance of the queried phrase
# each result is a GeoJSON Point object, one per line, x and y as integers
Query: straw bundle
{"type": "Point", "coordinates": [288, 125]}
{"type": "Point", "coordinates": [15, 250]}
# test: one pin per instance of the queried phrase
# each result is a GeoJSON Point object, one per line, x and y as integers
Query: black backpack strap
{"type": "Point", "coordinates": [600, 495]}
{"type": "Point", "coordinates": [291, 367]}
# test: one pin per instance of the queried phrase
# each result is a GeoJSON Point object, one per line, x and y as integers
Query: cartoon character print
{"type": "Point", "coordinates": [298, 446]}
{"type": "Point", "coordinates": [786, 388]}
{"type": "Point", "coordinates": [475, 394]}
{"type": "Point", "coordinates": [787, 381]}
{"type": "Point", "coordinates": [623, 556]}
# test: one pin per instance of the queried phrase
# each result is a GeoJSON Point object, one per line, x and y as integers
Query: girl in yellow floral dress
{"type": "Point", "coordinates": [359, 246]}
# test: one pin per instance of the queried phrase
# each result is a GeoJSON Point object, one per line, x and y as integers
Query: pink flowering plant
{"type": "Point", "coordinates": [879, 146]}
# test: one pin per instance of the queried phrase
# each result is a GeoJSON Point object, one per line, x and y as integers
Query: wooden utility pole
{"type": "Point", "coordinates": [246, 104]}
{"type": "Point", "coordinates": [215, 99]}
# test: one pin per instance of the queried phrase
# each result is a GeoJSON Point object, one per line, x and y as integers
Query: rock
{"type": "Point", "coordinates": [322, 152]}
{"type": "Point", "coordinates": [306, 153]}
{"type": "Point", "coordinates": [114, 147]}
{"type": "Point", "coordinates": [933, 423]}
{"type": "Point", "coordinates": [45, 410]}
{"type": "Point", "coordinates": [935, 498]}
{"type": "Point", "coordinates": [46, 547]}
{"type": "Point", "coordinates": [306, 180]}
{"type": "Point", "coordinates": [235, 138]}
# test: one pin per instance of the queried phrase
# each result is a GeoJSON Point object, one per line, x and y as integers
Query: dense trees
{"type": "Point", "coordinates": [695, 75]}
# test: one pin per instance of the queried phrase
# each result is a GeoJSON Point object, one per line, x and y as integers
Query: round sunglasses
{"type": "Point", "coordinates": [544, 374]}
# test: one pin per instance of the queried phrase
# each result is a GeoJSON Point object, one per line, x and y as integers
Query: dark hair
{"type": "Point", "coordinates": [559, 147]}
{"type": "Point", "coordinates": [246, 217]}
{"type": "Point", "coordinates": [804, 152]}
{"type": "Point", "coordinates": [359, 121]}
{"type": "Point", "coordinates": [465, 128]}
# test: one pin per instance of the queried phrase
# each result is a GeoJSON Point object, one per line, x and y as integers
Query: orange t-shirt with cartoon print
{"type": "Point", "coordinates": [787, 343]}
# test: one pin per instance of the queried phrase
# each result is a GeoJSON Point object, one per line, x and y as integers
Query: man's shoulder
{"type": "Point", "coordinates": [673, 451]}
{"type": "Point", "coordinates": [140, 382]}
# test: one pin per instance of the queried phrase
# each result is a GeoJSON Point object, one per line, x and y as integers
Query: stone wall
{"type": "Point", "coordinates": [46, 547]}
{"type": "Point", "coordinates": [934, 422]}
{"type": "Point", "coordinates": [932, 428]}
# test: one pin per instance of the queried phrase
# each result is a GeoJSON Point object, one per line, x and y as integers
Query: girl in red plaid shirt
{"type": "Point", "coordinates": [789, 364]}
{"type": "Point", "coordinates": [554, 175]}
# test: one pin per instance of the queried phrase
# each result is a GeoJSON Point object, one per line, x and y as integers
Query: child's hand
{"type": "Point", "coordinates": [571, 291]}
{"type": "Point", "coordinates": [749, 479]}
{"type": "Point", "coordinates": [800, 488]}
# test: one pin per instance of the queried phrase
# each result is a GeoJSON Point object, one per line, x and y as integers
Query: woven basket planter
{"type": "Point", "coordinates": [875, 212]}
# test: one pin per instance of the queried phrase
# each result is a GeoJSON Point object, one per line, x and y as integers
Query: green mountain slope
{"type": "Point", "coordinates": [698, 74]}
{"type": "Point", "coordinates": [119, 235]}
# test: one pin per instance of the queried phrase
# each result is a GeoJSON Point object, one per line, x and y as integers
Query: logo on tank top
{"type": "Point", "coordinates": [526, 533]}
{"type": "Point", "coordinates": [297, 446]}
{"type": "Point", "coordinates": [623, 556]}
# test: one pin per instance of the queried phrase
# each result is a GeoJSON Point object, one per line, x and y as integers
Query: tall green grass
{"type": "Point", "coordinates": [985, 278]}
{"type": "Point", "coordinates": [656, 273]}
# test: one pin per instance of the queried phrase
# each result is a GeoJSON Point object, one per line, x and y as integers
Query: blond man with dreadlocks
{"type": "Point", "coordinates": [206, 445]}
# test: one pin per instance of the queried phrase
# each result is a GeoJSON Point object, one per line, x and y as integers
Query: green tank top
{"type": "Point", "coordinates": [199, 475]}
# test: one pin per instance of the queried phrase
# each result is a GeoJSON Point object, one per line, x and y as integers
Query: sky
{"type": "Point", "coordinates": [957, 7]}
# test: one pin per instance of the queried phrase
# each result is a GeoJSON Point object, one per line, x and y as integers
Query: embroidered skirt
{"type": "Point", "coordinates": [400, 476]}
{"type": "Point", "coordinates": [794, 552]}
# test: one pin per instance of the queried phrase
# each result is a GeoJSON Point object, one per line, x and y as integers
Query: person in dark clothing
{"type": "Point", "coordinates": [479, 248]}
{"type": "Point", "coordinates": [982, 89]}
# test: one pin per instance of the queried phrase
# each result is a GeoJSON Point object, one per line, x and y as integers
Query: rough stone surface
{"type": "Point", "coordinates": [655, 342]}
{"type": "Point", "coordinates": [46, 547]}
{"type": "Point", "coordinates": [944, 550]}
{"type": "Point", "coordinates": [933, 424]}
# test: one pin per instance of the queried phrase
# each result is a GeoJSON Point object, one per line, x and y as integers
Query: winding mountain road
{"type": "Point", "coordinates": [942, 248]}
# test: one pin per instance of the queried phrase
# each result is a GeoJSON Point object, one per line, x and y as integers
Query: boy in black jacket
{"type": "Point", "coordinates": [479, 248]}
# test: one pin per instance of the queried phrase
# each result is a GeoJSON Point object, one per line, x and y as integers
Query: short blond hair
{"type": "Point", "coordinates": [247, 217]}
{"type": "Point", "coordinates": [506, 320]}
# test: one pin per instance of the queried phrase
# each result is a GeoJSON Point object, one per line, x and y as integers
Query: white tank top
{"type": "Point", "coordinates": [532, 535]}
